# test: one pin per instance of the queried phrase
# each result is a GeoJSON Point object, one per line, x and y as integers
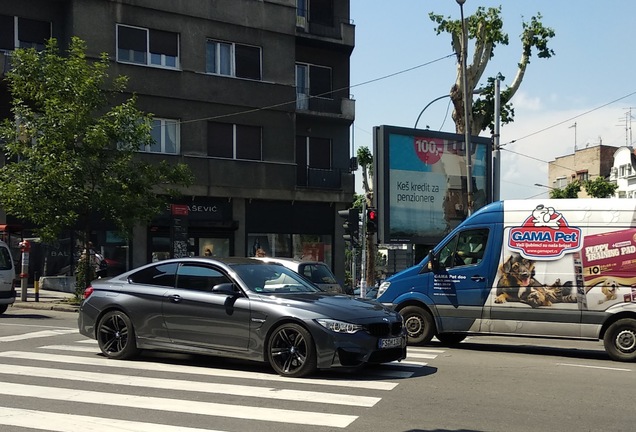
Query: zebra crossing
{"type": "Point", "coordinates": [75, 376]}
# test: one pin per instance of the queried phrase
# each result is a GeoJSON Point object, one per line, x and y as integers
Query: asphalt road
{"type": "Point", "coordinates": [52, 378]}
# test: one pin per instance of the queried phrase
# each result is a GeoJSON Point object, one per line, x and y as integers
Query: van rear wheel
{"type": "Point", "coordinates": [3, 308]}
{"type": "Point", "coordinates": [419, 325]}
{"type": "Point", "coordinates": [620, 340]}
{"type": "Point", "coordinates": [450, 339]}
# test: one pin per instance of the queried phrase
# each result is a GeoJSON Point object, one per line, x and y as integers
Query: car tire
{"type": "Point", "coordinates": [3, 308]}
{"type": "Point", "coordinates": [419, 324]}
{"type": "Point", "coordinates": [116, 336]}
{"type": "Point", "coordinates": [291, 351]}
{"type": "Point", "coordinates": [450, 339]}
{"type": "Point", "coordinates": [620, 340]}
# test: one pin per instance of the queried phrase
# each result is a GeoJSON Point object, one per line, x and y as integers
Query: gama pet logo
{"type": "Point", "coordinates": [545, 234]}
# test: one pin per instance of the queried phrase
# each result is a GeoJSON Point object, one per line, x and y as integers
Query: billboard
{"type": "Point", "coordinates": [420, 182]}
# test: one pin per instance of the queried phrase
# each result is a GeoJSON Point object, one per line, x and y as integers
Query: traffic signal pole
{"type": "Point", "coordinates": [363, 262]}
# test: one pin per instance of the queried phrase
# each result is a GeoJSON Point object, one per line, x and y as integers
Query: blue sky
{"type": "Point", "coordinates": [594, 66]}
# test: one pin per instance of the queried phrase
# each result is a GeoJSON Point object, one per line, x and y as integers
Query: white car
{"type": "Point", "coordinates": [7, 276]}
{"type": "Point", "coordinates": [316, 271]}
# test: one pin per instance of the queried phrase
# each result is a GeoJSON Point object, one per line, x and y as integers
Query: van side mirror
{"type": "Point", "coordinates": [433, 263]}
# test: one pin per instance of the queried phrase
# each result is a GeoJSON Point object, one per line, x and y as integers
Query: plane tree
{"type": "Point", "coordinates": [485, 29]}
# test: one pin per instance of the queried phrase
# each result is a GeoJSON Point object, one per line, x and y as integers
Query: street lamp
{"type": "Point", "coordinates": [475, 92]}
{"type": "Point", "coordinates": [541, 185]}
{"type": "Point", "coordinates": [469, 169]}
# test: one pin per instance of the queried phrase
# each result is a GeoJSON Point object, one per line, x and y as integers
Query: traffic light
{"type": "Point", "coordinates": [351, 225]}
{"type": "Point", "coordinates": [372, 220]}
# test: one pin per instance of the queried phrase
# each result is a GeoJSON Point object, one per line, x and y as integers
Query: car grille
{"type": "Point", "coordinates": [385, 329]}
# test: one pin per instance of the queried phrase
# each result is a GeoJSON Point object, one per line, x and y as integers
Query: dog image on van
{"type": "Point", "coordinates": [609, 288]}
{"type": "Point", "coordinates": [517, 283]}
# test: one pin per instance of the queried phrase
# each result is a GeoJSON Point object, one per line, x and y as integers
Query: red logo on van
{"type": "Point", "coordinates": [545, 235]}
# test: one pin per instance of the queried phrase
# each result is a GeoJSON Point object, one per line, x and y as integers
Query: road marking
{"type": "Point", "coordinates": [37, 326]}
{"type": "Point", "coordinates": [58, 422]}
{"type": "Point", "coordinates": [413, 364]}
{"type": "Point", "coordinates": [193, 386]}
{"type": "Point", "coordinates": [594, 367]}
{"type": "Point", "coordinates": [425, 350]}
{"type": "Point", "coordinates": [88, 341]}
{"type": "Point", "coordinates": [34, 335]}
{"type": "Point", "coordinates": [194, 370]}
{"type": "Point", "coordinates": [420, 355]}
{"type": "Point", "coordinates": [177, 405]}
{"type": "Point", "coordinates": [74, 348]}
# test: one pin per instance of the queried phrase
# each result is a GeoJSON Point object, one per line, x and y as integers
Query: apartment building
{"type": "Point", "coordinates": [252, 94]}
{"type": "Point", "coordinates": [584, 164]}
{"type": "Point", "coordinates": [623, 172]}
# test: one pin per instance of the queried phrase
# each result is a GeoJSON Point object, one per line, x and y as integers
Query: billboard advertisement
{"type": "Point", "coordinates": [420, 182]}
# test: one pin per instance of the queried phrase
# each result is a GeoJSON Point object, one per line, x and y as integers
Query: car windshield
{"type": "Point", "coordinates": [272, 279]}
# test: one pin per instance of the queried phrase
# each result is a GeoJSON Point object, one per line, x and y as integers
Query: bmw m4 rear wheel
{"type": "Point", "coordinates": [116, 336]}
{"type": "Point", "coordinates": [291, 351]}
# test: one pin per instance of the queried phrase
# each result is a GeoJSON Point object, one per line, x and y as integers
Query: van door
{"type": "Point", "coordinates": [461, 284]}
{"type": "Point", "coordinates": [535, 297]}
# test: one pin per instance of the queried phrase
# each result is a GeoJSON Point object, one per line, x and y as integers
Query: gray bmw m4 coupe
{"type": "Point", "coordinates": [241, 308]}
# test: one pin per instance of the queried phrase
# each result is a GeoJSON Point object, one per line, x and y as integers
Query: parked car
{"type": "Point", "coordinates": [316, 271]}
{"type": "Point", "coordinates": [371, 292]}
{"type": "Point", "coordinates": [241, 308]}
{"type": "Point", "coordinates": [7, 278]}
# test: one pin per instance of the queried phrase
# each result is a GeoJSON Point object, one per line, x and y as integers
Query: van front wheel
{"type": "Point", "coordinates": [419, 325]}
{"type": "Point", "coordinates": [620, 340]}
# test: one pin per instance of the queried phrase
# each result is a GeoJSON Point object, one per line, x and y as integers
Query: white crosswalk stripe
{"type": "Point", "coordinates": [73, 373]}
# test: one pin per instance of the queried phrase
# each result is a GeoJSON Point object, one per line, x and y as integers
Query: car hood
{"type": "Point", "coordinates": [335, 306]}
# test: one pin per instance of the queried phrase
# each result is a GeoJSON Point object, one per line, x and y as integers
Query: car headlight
{"type": "Point", "coordinates": [339, 326]}
{"type": "Point", "coordinates": [382, 288]}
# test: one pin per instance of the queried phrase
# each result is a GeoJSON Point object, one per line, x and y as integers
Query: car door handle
{"type": "Point", "coordinates": [477, 278]}
{"type": "Point", "coordinates": [175, 298]}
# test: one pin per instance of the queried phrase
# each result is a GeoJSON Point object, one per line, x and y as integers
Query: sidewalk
{"type": "Point", "coordinates": [47, 300]}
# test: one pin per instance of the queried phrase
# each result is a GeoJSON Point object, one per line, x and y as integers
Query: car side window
{"type": "Point", "coordinates": [5, 259]}
{"type": "Point", "coordinates": [198, 277]}
{"type": "Point", "coordinates": [160, 274]}
{"type": "Point", "coordinates": [465, 248]}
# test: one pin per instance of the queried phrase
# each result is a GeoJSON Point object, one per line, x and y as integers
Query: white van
{"type": "Point", "coordinates": [7, 277]}
{"type": "Point", "coordinates": [551, 268]}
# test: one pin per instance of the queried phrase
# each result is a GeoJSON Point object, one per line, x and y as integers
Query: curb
{"type": "Point", "coordinates": [55, 306]}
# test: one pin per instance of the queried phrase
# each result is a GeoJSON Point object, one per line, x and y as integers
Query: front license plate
{"type": "Point", "coordinates": [390, 342]}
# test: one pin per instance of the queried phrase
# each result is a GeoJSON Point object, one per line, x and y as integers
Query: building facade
{"type": "Point", "coordinates": [623, 172]}
{"type": "Point", "coordinates": [252, 94]}
{"type": "Point", "coordinates": [584, 164]}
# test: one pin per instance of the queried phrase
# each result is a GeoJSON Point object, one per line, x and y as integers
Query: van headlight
{"type": "Point", "coordinates": [382, 288]}
{"type": "Point", "coordinates": [339, 326]}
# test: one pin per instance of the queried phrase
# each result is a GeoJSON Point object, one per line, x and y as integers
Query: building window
{"type": "Point", "coordinates": [165, 136]}
{"type": "Point", "coordinates": [31, 33]}
{"type": "Point", "coordinates": [321, 12]}
{"type": "Point", "coordinates": [582, 176]}
{"type": "Point", "coordinates": [147, 46]}
{"type": "Point", "coordinates": [313, 152]}
{"type": "Point", "coordinates": [560, 182]}
{"type": "Point", "coordinates": [625, 170]}
{"type": "Point", "coordinates": [230, 59]}
{"type": "Point", "coordinates": [312, 81]}
{"type": "Point", "coordinates": [232, 141]}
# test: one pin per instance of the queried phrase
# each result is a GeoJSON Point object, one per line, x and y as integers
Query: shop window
{"type": "Point", "coordinates": [147, 46]}
{"type": "Point", "coordinates": [303, 247]}
{"type": "Point", "coordinates": [234, 141]}
{"type": "Point", "coordinates": [232, 59]}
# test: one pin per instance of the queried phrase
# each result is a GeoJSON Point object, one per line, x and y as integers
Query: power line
{"type": "Point", "coordinates": [570, 119]}
{"type": "Point", "coordinates": [253, 110]}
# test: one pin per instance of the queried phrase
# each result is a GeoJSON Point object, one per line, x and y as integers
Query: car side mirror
{"type": "Point", "coordinates": [224, 288]}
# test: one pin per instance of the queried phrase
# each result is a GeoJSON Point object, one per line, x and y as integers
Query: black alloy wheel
{"type": "Point", "coordinates": [116, 336]}
{"type": "Point", "coordinates": [291, 351]}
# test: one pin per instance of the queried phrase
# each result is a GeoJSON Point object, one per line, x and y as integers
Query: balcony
{"type": "Point", "coordinates": [319, 178]}
{"type": "Point", "coordinates": [340, 32]}
{"type": "Point", "coordinates": [343, 108]}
